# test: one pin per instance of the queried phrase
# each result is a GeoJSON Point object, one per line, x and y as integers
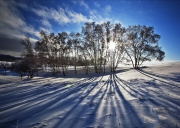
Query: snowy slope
{"type": "Point", "coordinates": [129, 98]}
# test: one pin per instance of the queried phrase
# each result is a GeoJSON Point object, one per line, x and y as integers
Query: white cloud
{"type": "Point", "coordinates": [74, 2]}
{"type": "Point", "coordinates": [94, 16]}
{"type": "Point", "coordinates": [21, 5]}
{"type": "Point", "coordinates": [42, 11]}
{"type": "Point", "coordinates": [107, 9]}
{"type": "Point", "coordinates": [12, 22]}
{"type": "Point", "coordinates": [77, 17]}
{"type": "Point", "coordinates": [96, 4]}
{"type": "Point", "coordinates": [46, 23]}
{"type": "Point", "coordinates": [45, 29]}
{"type": "Point", "coordinates": [61, 16]}
{"type": "Point", "coordinates": [82, 3]}
{"type": "Point", "coordinates": [12, 53]}
{"type": "Point", "coordinates": [117, 22]}
{"type": "Point", "coordinates": [65, 16]}
{"type": "Point", "coordinates": [13, 28]}
{"type": "Point", "coordinates": [68, 32]}
{"type": "Point", "coordinates": [49, 13]}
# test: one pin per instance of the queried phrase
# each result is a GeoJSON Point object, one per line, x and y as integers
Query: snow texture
{"type": "Point", "coordinates": [144, 98]}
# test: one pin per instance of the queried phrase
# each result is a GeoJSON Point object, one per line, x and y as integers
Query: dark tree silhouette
{"type": "Point", "coordinates": [5, 66]}
{"type": "Point", "coordinates": [135, 44]}
{"type": "Point", "coordinates": [118, 51]}
{"type": "Point", "coordinates": [142, 45]}
{"type": "Point", "coordinates": [29, 56]}
{"type": "Point", "coordinates": [89, 32]}
{"type": "Point", "coordinates": [75, 39]}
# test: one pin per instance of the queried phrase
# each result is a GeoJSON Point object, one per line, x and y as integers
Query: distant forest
{"type": "Point", "coordinates": [9, 58]}
{"type": "Point", "coordinates": [98, 45]}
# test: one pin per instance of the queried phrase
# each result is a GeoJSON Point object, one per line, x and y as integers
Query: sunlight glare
{"type": "Point", "coordinates": [112, 45]}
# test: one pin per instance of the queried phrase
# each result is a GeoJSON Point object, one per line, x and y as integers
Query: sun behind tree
{"type": "Point", "coordinates": [112, 45]}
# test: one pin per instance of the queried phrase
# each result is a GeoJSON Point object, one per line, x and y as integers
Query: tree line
{"type": "Point", "coordinates": [90, 48]}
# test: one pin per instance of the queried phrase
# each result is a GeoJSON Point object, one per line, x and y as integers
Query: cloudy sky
{"type": "Point", "coordinates": [28, 18]}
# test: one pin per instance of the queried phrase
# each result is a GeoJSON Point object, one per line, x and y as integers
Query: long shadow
{"type": "Point", "coordinates": [116, 109]}
{"type": "Point", "coordinates": [58, 105]}
{"type": "Point", "coordinates": [132, 91]}
{"type": "Point", "coordinates": [82, 111]}
{"type": "Point", "coordinates": [113, 86]}
{"type": "Point", "coordinates": [162, 101]}
{"type": "Point", "coordinates": [132, 117]}
{"type": "Point", "coordinates": [42, 80]}
{"type": "Point", "coordinates": [46, 77]}
{"type": "Point", "coordinates": [170, 105]}
{"type": "Point", "coordinates": [112, 82]}
{"type": "Point", "coordinates": [74, 107]}
{"type": "Point", "coordinates": [34, 90]}
{"type": "Point", "coordinates": [29, 94]}
{"type": "Point", "coordinates": [143, 94]}
{"type": "Point", "coordinates": [58, 94]}
{"type": "Point", "coordinates": [118, 80]}
{"type": "Point", "coordinates": [163, 77]}
{"type": "Point", "coordinates": [85, 92]}
{"type": "Point", "coordinates": [119, 113]}
{"type": "Point", "coordinates": [91, 119]}
{"type": "Point", "coordinates": [177, 77]}
{"type": "Point", "coordinates": [44, 106]}
{"type": "Point", "coordinates": [61, 96]}
{"type": "Point", "coordinates": [157, 79]}
{"type": "Point", "coordinates": [99, 90]}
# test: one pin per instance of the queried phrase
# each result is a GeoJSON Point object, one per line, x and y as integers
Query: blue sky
{"type": "Point", "coordinates": [27, 17]}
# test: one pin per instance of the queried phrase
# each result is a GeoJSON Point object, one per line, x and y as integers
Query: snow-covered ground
{"type": "Point", "coordinates": [146, 98]}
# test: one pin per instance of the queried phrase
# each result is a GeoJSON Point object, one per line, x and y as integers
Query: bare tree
{"type": "Point", "coordinates": [118, 40]}
{"type": "Point", "coordinates": [75, 39]}
{"type": "Point", "coordinates": [136, 43]}
{"type": "Point", "coordinates": [108, 36]}
{"type": "Point", "coordinates": [88, 31]}
{"type": "Point", "coordinates": [29, 56]}
{"type": "Point", "coordinates": [99, 38]}
{"type": "Point", "coordinates": [5, 66]}
{"type": "Point", "coordinates": [64, 50]}
{"type": "Point", "coordinates": [85, 57]}
{"type": "Point", "coordinates": [21, 67]}
{"type": "Point", "coordinates": [142, 45]}
{"type": "Point", "coordinates": [42, 47]}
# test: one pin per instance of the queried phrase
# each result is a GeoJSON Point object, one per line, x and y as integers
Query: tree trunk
{"type": "Point", "coordinates": [64, 72]}
{"type": "Point", "coordinates": [75, 63]}
{"type": "Point", "coordinates": [5, 72]}
{"type": "Point", "coordinates": [32, 75]}
{"type": "Point", "coordinates": [104, 68]}
{"type": "Point", "coordinates": [86, 70]}
{"type": "Point", "coordinates": [75, 69]}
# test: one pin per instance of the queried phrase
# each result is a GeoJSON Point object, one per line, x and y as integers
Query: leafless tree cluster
{"type": "Point", "coordinates": [142, 45]}
{"type": "Point", "coordinates": [92, 47]}
{"type": "Point", "coordinates": [30, 64]}
{"type": "Point", "coordinates": [4, 66]}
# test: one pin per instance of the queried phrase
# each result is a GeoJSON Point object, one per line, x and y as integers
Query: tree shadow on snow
{"type": "Point", "coordinates": [96, 101]}
{"type": "Point", "coordinates": [175, 76]}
